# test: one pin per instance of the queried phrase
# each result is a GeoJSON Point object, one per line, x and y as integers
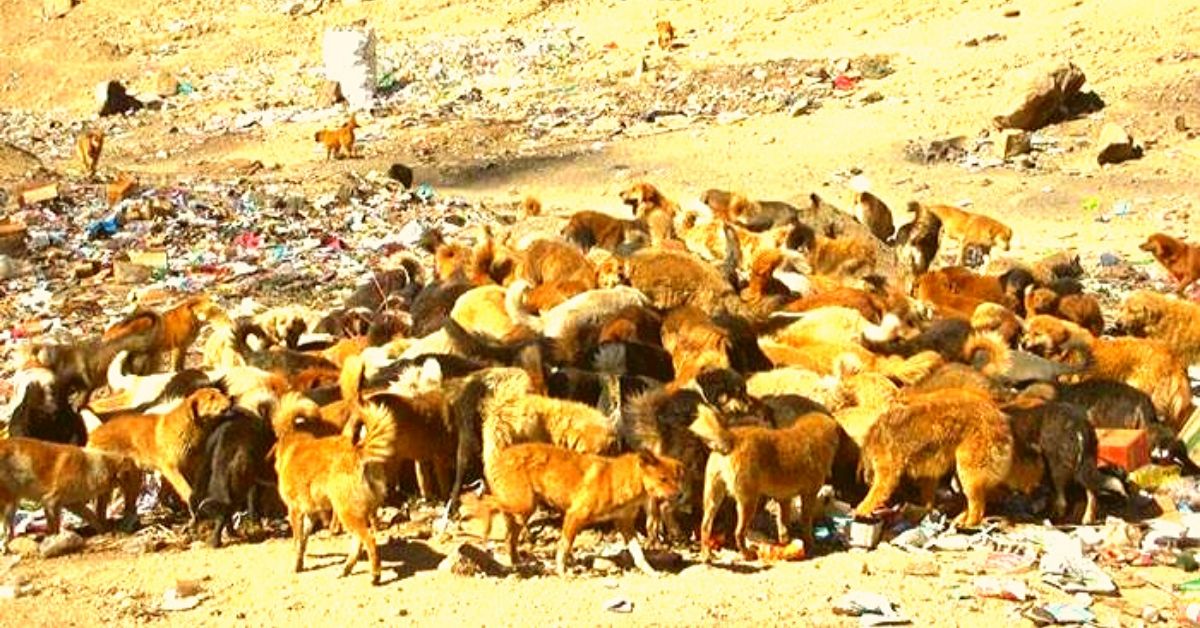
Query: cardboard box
{"type": "Point", "coordinates": [37, 194]}
{"type": "Point", "coordinates": [1128, 449]}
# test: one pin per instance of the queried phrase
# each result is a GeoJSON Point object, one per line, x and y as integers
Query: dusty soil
{"type": "Point", "coordinates": [574, 131]}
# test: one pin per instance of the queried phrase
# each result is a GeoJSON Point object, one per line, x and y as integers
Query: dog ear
{"type": "Point", "coordinates": [647, 457]}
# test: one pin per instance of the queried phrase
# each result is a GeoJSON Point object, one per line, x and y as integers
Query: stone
{"type": "Point", "coordinates": [56, 8]}
{"type": "Point", "coordinates": [165, 84]}
{"type": "Point", "coordinates": [14, 237]}
{"type": "Point", "coordinates": [83, 270]}
{"type": "Point", "coordinates": [401, 173]}
{"type": "Point", "coordinates": [61, 544]}
{"type": "Point", "coordinates": [468, 560]}
{"type": "Point", "coordinates": [604, 565]}
{"type": "Point", "coordinates": [113, 99]}
{"type": "Point", "coordinates": [329, 94]}
{"type": "Point", "coordinates": [1011, 142]}
{"type": "Point", "coordinates": [1116, 145]}
{"type": "Point", "coordinates": [23, 546]}
{"type": "Point", "coordinates": [1045, 99]}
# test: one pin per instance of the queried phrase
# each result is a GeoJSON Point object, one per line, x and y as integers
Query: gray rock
{"type": "Point", "coordinates": [61, 544]}
{"type": "Point", "coordinates": [1010, 143]}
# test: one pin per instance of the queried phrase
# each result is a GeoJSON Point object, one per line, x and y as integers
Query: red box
{"type": "Point", "coordinates": [1128, 449]}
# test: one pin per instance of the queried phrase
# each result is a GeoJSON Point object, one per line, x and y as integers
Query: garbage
{"type": "Point", "coordinates": [1065, 567]}
{"type": "Point", "coordinates": [1051, 614]}
{"type": "Point", "coordinates": [771, 553]}
{"type": "Point", "coordinates": [468, 560]}
{"type": "Point", "coordinates": [872, 609]}
{"type": "Point", "coordinates": [1002, 588]}
{"type": "Point", "coordinates": [349, 58]}
{"type": "Point", "coordinates": [619, 605]}
{"type": "Point", "coordinates": [1127, 449]}
{"type": "Point", "coordinates": [865, 534]}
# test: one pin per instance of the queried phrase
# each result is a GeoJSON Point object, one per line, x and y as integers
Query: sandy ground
{"type": "Point", "coordinates": [1140, 57]}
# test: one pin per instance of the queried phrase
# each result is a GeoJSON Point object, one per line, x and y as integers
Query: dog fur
{"type": "Point", "coordinates": [919, 240]}
{"type": "Point", "coordinates": [1172, 320]}
{"type": "Point", "coordinates": [339, 141]}
{"type": "Point", "coordinates": [1081, 309]}
{"type": "Point", "coordinates": [874, 215]}
{"type": "Point", "coordinates": [1182, 260]}
{"type": "Point", "coordinates": [972, 229]}
{"type": "Point", "coordinates": [87, 150]}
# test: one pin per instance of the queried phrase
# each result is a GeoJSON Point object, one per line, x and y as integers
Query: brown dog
{"type": "Point", "coordinates": [928, 436]}
{"type": "Point", "coordinates": [666, 34]}
{"type": "Point", "coordinates": [167, 443]}
{"type": "Point", "coordinates": [332, 474]}
{"type": "Point", "coordinates": [651, 207]}
{"type": "Point", "coordinates": [87, 150]}
{"type": "Point", "coordinates": [756, 462]}
{"type": "Point", "coordinates": [60, 476]}
{"type": "Point", "coordinates": [1081, 309]}
{"type": "Point", "coordinates": [972, 229]}
{"type": "Point", "coordinates": [874, 215]}
{"type": "Point", "coordinates": [173, 331]}
{"type": "Point", "coordinates": [588, 489]}
{"type": "Point", "coordinates": [1173, 321]}
{"type": "Point", "coordinates": [339, 141]}
{"type": "Point", "coordinates": [589, 228]}
{"type": "Point", "coordinates": [1180, 259]}
{"type": "Point", "coordinates": [1151, 366]}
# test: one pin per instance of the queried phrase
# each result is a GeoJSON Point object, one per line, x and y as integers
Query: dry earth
{"type": "Point", "coordinates": [1142, 58]}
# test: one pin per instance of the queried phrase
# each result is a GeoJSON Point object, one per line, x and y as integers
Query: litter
{"type": "Point", "coordinates": [619, 605]}
{"type": "Point", "coordinates": [1002, 588]}
{"type": "Point", "coordinates": [1065, 567]}
{"type": "Point", "coordinates": [872, 609]}
{"type": "Point", "coordinates": [1050, 614]}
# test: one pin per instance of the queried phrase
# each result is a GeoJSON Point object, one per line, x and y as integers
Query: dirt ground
{"type": "Point", "coordinates": [1142, 58]}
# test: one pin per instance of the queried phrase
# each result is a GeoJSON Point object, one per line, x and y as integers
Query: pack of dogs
{"type": "Point", "coordinates": [664, 371]}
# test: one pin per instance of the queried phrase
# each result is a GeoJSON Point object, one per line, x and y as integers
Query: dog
{"type": "Point", "coordinates": [87, 149]}
{"type": "Point", "coordinates": [1182, 260]}
{"type": "Point", "coordinates": [672, 278]}
{"type": "Point", "coordinates": [1174, 321]}
{"type": "Point", "coordinates": [333, 474]}
{"type": "Point", "coordinates": [339, 141]}
{"type": "Point", "coordinates": [751, 463]}
{"type": "Point", "coordinates": [232, 471]}
{"type": "Point", "coordinates": [873, 214]}
{"type": "Point", "coordinates": [588, 489]}
{"type": "Point", "coordinates": [919, 240]}
{"type": "Point", "coordinates": [695, 343]}
{"type": "Point", "coordinates": [834, 257]}
{"type": "Point", "coordinates": [173, 331]}
{"type": "Point", "coordinates": [1081, 309]}
{"type": "Point", "coordinates": [971, 229]}
{"type": "Point", "coordinates": [1056, 437]}
{"type": "Point", "coordinates": [60, 476]}
{"type": "Point", "coordinates": [1148, 365]}
{"type": "Point", "coordinates": [666, 34]}
{"type": "Point", "coordinates": [170, 443]}
{"type": "Point", "coordinates": [587, 229]}
{"type": "Point", "coordinates": [927, 436]}
{"type": "Point", "coordinates": [651, 207]}
{"type": "Point", "coordinates": [41, 409]}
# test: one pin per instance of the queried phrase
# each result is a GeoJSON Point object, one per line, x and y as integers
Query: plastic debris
{"type": "Point", "coordinates": [619, 605]}
{"type": "Point", "coordinates": [1051, 614]}
{"type": "Point", "coordinates": [872, 609]}
{"type": "Point", "coordinates": [1002, 588]}
{"type": "Point", "coordinates": [1064, 566]}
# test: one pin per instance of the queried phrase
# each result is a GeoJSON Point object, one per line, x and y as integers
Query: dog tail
{"type": "Point", "coordinates": [514, 305]}
{"type": "Point", "coordinates": [379, 443]}
{"type": "Point", "coordinates": [139, 322]}
{"type": "Point", "coordinates": [242, 332]}
{"type": "Point", "coordinates": [911, 370]}
{"type": "Point", "coordinates": [638, 427]}
{"type": "Point", "coordinates": [293, 407]}
{"type": "Point", "coordinates": [481, 346]}
{"type": "Point", "coordinates": [117, 379]}
{"type": "Point", "coordinates": [350, 380]}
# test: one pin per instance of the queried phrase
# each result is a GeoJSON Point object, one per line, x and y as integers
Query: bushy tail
{"type": "Point", "coordinates": [351, 378]}
{"type": "Point", "coordinates": [708, 427]}
{"type": "Point", "coordinates": [379, 443]}
{"type": "Point", "coordinates": [117, 379]}
{"type": "Point", "coordinates": [911, 370]}
{"type": "Point", "coordinates": [139, 322]}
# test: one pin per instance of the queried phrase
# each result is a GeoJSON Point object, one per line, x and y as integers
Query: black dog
{"type": "Point", "coordinates": [233, 471]}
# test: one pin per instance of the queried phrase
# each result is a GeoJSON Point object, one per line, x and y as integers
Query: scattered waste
{"type": "Point", "coordinates": [1002, 588]}
{"type": "Point", "coordinates": [619, 605]}
{"type": "Point", "coordinates": [872, 609]}
{"type": "Point", "coordinates": [1051, 614]}
{"type": "Point", "coordinates": [1064, 566]}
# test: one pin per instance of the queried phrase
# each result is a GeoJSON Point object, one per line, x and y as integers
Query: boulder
{"type": "Point", "coordinates": [61, 544]}
{"type": "Point", "coordinates": [56, 8]}
{"type": "Point", "coordinates": [1045, 100]}
{"type": "Point", "coordinates": [469, 560]}
{"type": "Point", "coordinates": [1116, 145]}
{"type": "Point", "coordinates": [1010, 143]}
{"type": "Point", "coordinates": [329, 94]}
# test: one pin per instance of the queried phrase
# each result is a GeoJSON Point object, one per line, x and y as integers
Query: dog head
{"type": "Point", "coordinates": [725, 389]}
{"type": "Point", "coordinates": [802, 237]}
{"type": "Point", "coordinates": [1163, 247]}
{"type": "Point", "coordinates": [993, 317]}
{"type": "Point", "coordinates": [641, 194]}
{"type": "Point", "coordinates": [1040, 301]}
{"type": "Point", "coordinates": [612, 272]}
{"type": "Point", "coordinates": [208, 403]}
{"type": "Point", "coordinates": [666, 34]}
{"type": "Point", "coordinates": [1048, 336]}
{"type": "Point", "coordinates": [124, 474]}
{"type": "Point", "coordinates": [450, 260]}
{"type": "Point", "coordinates": [662, 476]}
{"type": "Point", "coordinates": [352, 123]}
{"type": "Point", "coordinates": [1140, 313]}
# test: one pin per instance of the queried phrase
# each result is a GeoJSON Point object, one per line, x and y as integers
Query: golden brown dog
{"type": "Point", "coordinates": [167, 443]}
{"type": "Point", "coordinates": [1174, 321]}
{"type": "Point", "coordinates": [929, 435]}
{"type": "Point", "coordinates": [339, 141]}
{"type": "Point", "coordinates": [1180, 259]}
{"type": "Point", "coordinates": [588, 489]}
{"type": "Point", "coordinates": [837, 257]}
{"type": "Point", "coordinates": [589, 228]}
{"type": "Point", "coordinates": [972, 229]}
{"type": "Point", "coordinates": [694, 342]}
{"type": "Point", "coordinates": [670, 279]}
{"type": "Point", "coordinates": [652, 208]}
{"type": "Point", "coordinates": [87, 150]}
{"type": "Point", "coordinates": [60, 476]}
{"type": "Point", "coordinates": [1151, 366]}
{"type": "Point", "coordinates": [173, 331]}
{"type": "Point", "coordinates": [754, 462]}
{"type": "Point", "coordinates": [995, 318]}
{"type": "Point", "coordinates": [333, 474]}
{"type": "Point", "coordinates": [1081, 309]}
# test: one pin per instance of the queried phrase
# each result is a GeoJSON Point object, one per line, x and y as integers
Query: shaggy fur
{"type": "Point", "coordinates": [589, 229]}
{"type": "Point", "coordinates": [1180, 259]}
{"type": "Point", "coordinates": [232, 471]}
{"type": "Point", "coordinates": [1174, 321]}
{"type": "Point", "coordinates": [173, 331]}
{"type": "Point", "coordinates": [919, 240]}
{"type": "Point", "coordinates": [972, 229]}
{"type": "Point", "coordinates": [1081, 309]}
{"type": "Point", "coordinates": [874, 215]}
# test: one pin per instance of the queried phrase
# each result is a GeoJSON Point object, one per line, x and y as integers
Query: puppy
{"type": "Point", "coordinates": [87, 150]}
{"type": "Point", "coordinates": [929, 435]}
{"type": "Point", "coordinates": [969, 228]}
{"type": "Point", "coordinates": [666, 34]}
{"type": "Point", "coordinates": [169, 443]}
{"type": "Point", "coordinates": [339, 141]}
{"type": "Point", "coordinates": [1148, 365]}
{"type": "Point", "coordinates": [752, 463]}
{"type": "Point", "coordinates": [1174, 321]}
{"type": "Point", "coordinates": [874, 215]}
{"type": "Point", "coordinates": [1180, 259]}
{"type": "Point", "coordinates": [920, 239]}
{"type": "Point", "coordinates": [1081, 309]}
{"type": "Point", "coordinates": [333, 474]}
{"type": "Point", "coordinates": [60, 476]}
{"type": "Point", "coordinates": [588, 489]}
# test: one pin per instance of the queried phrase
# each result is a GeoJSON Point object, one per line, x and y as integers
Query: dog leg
{"type": "Point", "coordinates": [783, 520]}
{"type": "Point", "coordinates": [745, 513]}
{"type": "Point", "coordinates": [512, 531]}
{"type": "Point", "coordinates": [975, 491]}
{"type": "Point", "coordinates": [625, 527]}
{"type": "Point", "coordinates": [53, 517]}
{"type": "Point", "coordinates": [883, 484]}
{"type": "Point", "coordinates": [714, 495]}
{"type": "Point", "coordinates": [1089, 513]}
{"type": "Point", "coordinates": [173, 476]}
{"type": "Point", "coordinates": [809, 506]}
{"type": "Point", "coordinates": [89, 515]}
{"type": "Point", "coordinates": [214, 540]}
{"type": "Point", "coordinates": [299, 535]}
{"type": "Point", "coordinates": [424, 480]}
{"type": "Point", "coordinates": [927, 487]}
{"type": "Point", "coordinates": [571, 526]}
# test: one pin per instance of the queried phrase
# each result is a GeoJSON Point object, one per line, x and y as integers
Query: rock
{"type": "Point", "coordinates": [800, 107]}
{"type": "Point", "coordinates": [113, 99]}
{"type": "Point", "coordinates": [83, 270]}
{"type": "Point", "coordinates": [401, 173]}
{"type": "Point", "coordinates": [56, 8]}
{"type": "Point", "coordinates": [13, 239]}
{"type": "Point", "coordinates": [61, 544]}
{"type": "Point", "coordinates": [1045, 100]}
{"type": "Point", "coordinates": [329, 94]}
{"type": "Point", "coordinates": [1012, 13]}
{"type": "Point", "coordinates": [11, 268]}
{"type": "Point", "coordinates": [37, 194]}
{"type": "Point", "coordinates": [1010, 143]}
{"type": "Point", "coordinates": [608, 125]}
{"type": "Point", "coordinates": [604, 565]}
{"type": "Point", "coordinates": [1116, 145]}
{"type": "Point", "coordinates": [165, 84]}
{"type": "Point", "coordinates": [23, 546]}
{"type": "Point", "coordinates": [468, 560]}
{"type": "Point", "coordinates": [1181, 124]}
